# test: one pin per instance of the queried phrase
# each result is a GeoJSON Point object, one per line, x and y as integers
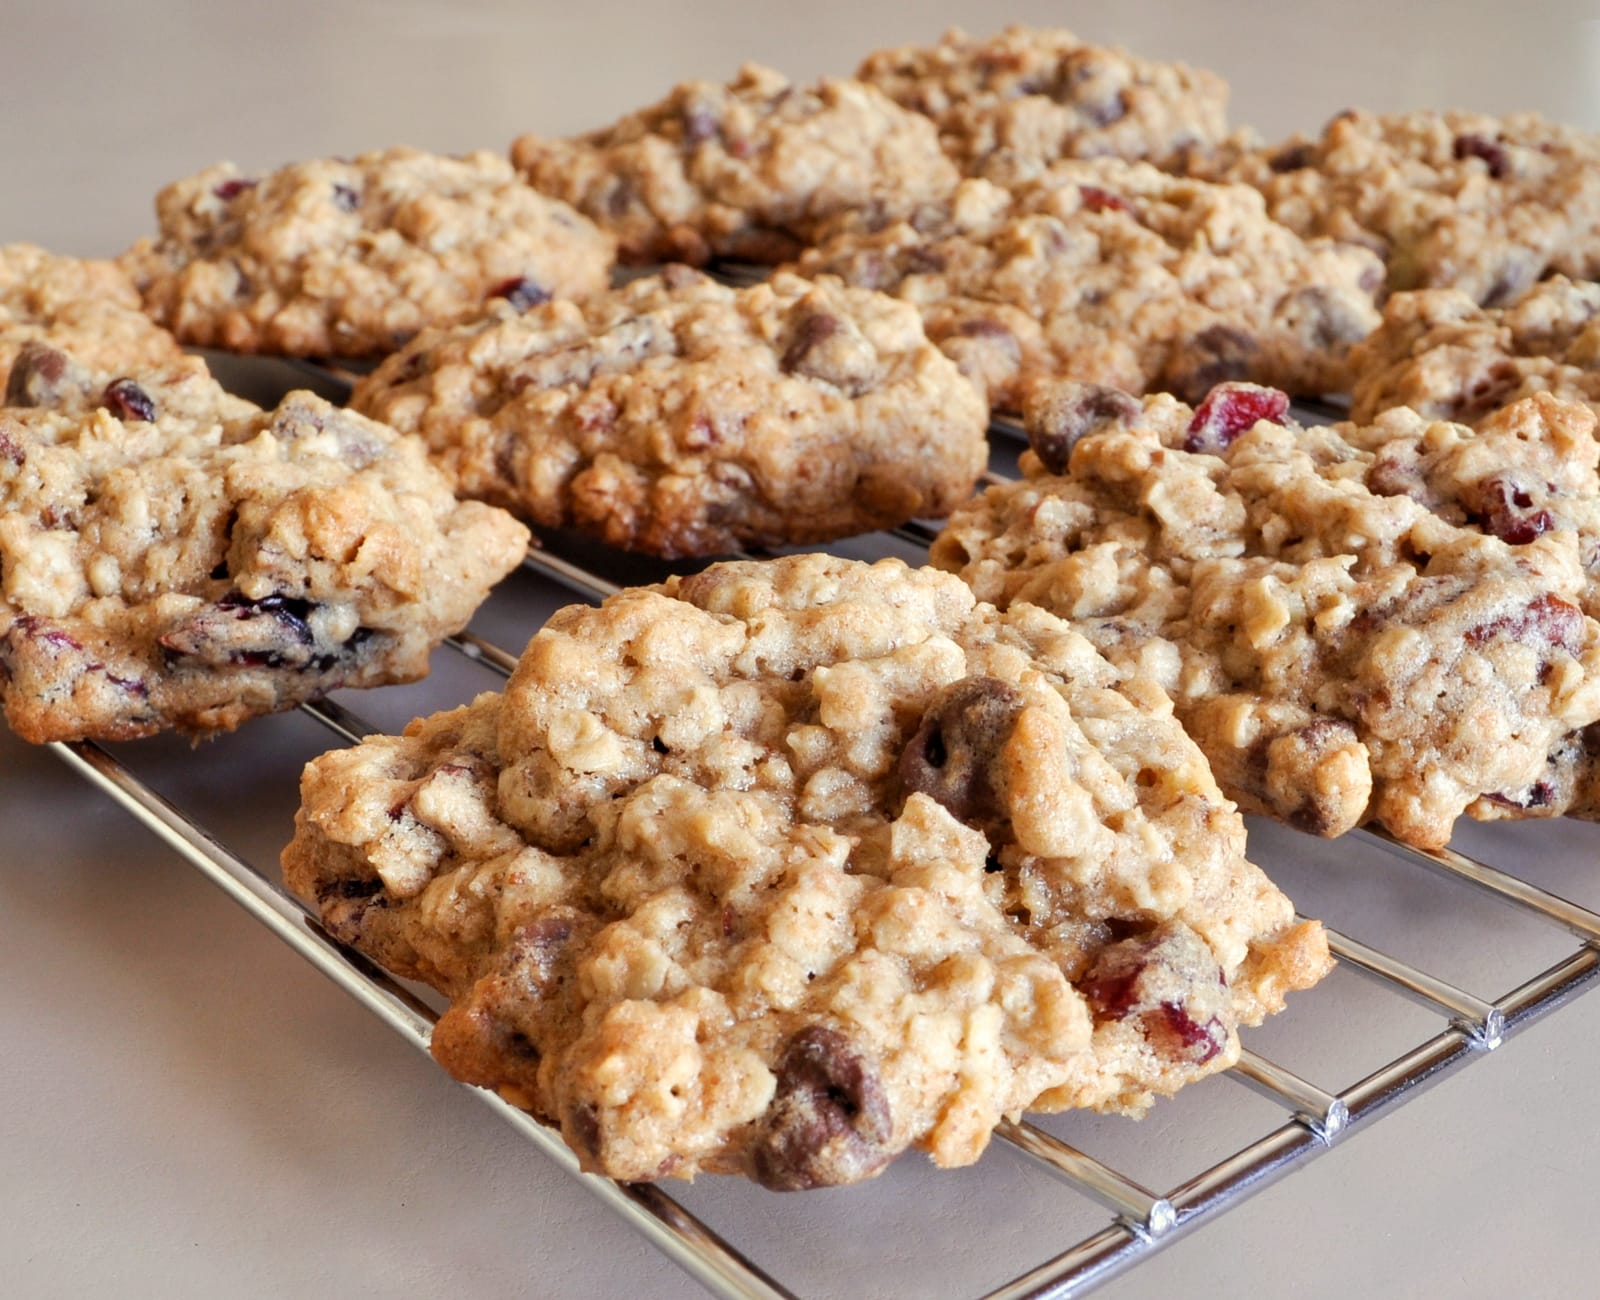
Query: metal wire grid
{"type": "Point", "coordinates": [1142, 1220]}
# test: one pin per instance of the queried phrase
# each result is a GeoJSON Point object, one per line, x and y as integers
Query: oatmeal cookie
{"type": "Point", "coordinates": [681, 417]}
{"type": "Point", "coordinates": [1010, 105]}
{"type": "Point", "coordinates": [743, 170]}
{"type": "Point", "coordinates": [1449, 200]}
{"type": "Point", "coordinates": [1443, 355]}
{"type": "Point", "coordinates": [1113, 272]}
{"type": "Point", "coordinates": [85, 307]}
{"type": "Point", "coordinates": [1391, 622]}
{"type": "Point", "coordinates": [174, 558]}
{"type": "Point", "coordinates": [786, 867]}
{"type": "Point", "coordinates": [351, 257]}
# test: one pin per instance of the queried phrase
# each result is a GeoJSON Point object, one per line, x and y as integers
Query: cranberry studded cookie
{"type": "Point", "coordinates": [86, 307]}
{"type": "Point", "coordinates": [1444, 356]}
{"type": "Point", "coordinates": [1009, 105]}
{"type": "Point", "coordinates": [1112, 272]}
{"type": "Point", "coordinates": [1389, 623]}
{"type": "Point", "coordinates": [787, 867]}
{"type": "Point", "coordinates": [1450, 200]}
{"type": "Point", "coordinates": [174, 558]}
{"type": "Point", "coordinates": [680, 417]}
{"type": "Point", "coordinates": [744, 170]}
{"type": "Point", "coordinates": [351, 257]}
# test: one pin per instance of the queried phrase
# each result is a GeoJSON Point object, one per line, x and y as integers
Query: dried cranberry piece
{"type": "Point", "coordinates": [127, 401]}
{"type": "Point", "coordinates": [232, 189]}
{"type": "Point", "coordinates": [1201, 1042]}
{"type": "Point", "coordinates": [1477, 146]}
{"type": "Point", "coordinates": [1548, 619]}
{"type": "Point", "coordinates": [11, 449]}
{"type": "Point", "coordinates": [829, 1121]}
{"type": "Point", "coordinates": [521, 292]}
{"type": "Point", "coordinates": [1166, 980]}
{"type": "Point", "coordinates": [1506, 510]}
{"type": "Point", "coordinates": [35, 628]}
{"type": "Point", "coordinates": [1096, 199]}
{"type": "Point", "coordinates": [1538, 795]}
{"type": "Point", "coordinates": [1232, 409]}
{"type": "Point", "coordinates": [814, 330]}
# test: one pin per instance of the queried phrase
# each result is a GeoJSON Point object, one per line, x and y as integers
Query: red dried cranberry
{"type": "Point", "coordinates": [1201, 1042]}
{"type": "Point", "coordinates": [1507, 512]}
{"type": "Point", "coordinates": [127, 401]}
{"type": "Point", "coordinates": [1232, 409]}
{"type": "Point", "coordinates": [1549, 619]}
{"type": "Point", "coordinates": [1096, 199]}
{"type": "Point", "coordinates": [232, 189]}
{"type": "Point", "coordinates": [1493, 155]}
{"type": "Point", "coordinates": [521, 292]}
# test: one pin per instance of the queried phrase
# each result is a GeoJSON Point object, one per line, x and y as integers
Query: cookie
{"type": "Point", "coordinates": [1391, 622]}
{"type": "Point", "coordinates": [681, 417]}
{"type": "Point", "coordinates": [1442, 354]}
{"type": "Point", "coordinates": [1010, 105]}
{"type": "Point", "coordinates": [175, 558]}
{"type": "Point", "coordinates": [85, 307]}
{"type": "Point", "coordinates": [786, 867]}
{"type": "Point", "coordinates": [1112, 272]}
{"type": "Point", "coordinates": [743, 170]}
{"type": "Point", "coordinates": [1462, 201]}
{"type": "Point", "coordinates": [351, 257]}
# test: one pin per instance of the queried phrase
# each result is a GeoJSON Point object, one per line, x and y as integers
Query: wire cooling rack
{"type": "Point", "coordinates": [1310, 1117]}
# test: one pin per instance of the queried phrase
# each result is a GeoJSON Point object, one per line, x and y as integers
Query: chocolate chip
{"type": "Point", "coordinates": [39, 375]}
{"type": "Point", "coordinates": [1216, 355]}
{"type": "Point", "coordinates": [1322, 318]}
{"type": "Point", "coordinates": [1295, 157]}
{"type": "Point", "coordinates": [952, 756]}
{"type": "Point", "coordinates": [829, 1120]}
{"type": "Point", "coordinates": [1067, 413]}
{"type": "Point", "coordinates": [345, 198]}
{"type": "Point", "coordinates": [814, 329]}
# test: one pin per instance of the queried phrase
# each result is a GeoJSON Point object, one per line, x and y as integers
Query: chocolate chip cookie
{"type": "Point", "coordinates": [681, 417]}
{"type": "Point", "coordinates": [1112, 272]}
{"type": "Point", "coordinates": [174, 558]}
{"type": "Point", "coordinates": [1391, 622]}
{"type": "Point", "coordinates": [351, 257]}
{"type": "Point", "coordinates": [1442, 354]}
{"type": "Point", "coordinates": [787, 867]}
{"type": "Point", "coordinates": [1481, 204]}
{"type": "Point", "coordinates": [744, 170]}
{"type": "Point", "coordinates": [1010, 105]}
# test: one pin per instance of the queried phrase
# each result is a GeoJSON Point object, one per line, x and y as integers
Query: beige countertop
{"type": "Point", "coordinates": [190, 1111]}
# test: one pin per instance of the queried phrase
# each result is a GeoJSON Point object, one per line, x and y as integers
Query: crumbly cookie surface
{"type": "Point", "coordinates": [1112, 272]}
{"type": "Point", "coordinates": [174, 558]}
{"type": "Point", "coordinates": [743, 170]}
{"type": "Point", "coordinates": [1443, 355]}
{"type": "Point", "coordinates": [86, 306]}
{"type": "Point", "coordinates": [677, 416]}
{"type": "Point", "coordinates": [1391, 622]}
{"type": "Point", "coordinates": [351, 257]}
{"type": "Point", "coordinates": [786, 867]}
{"type": "Point", "coordinates": [1009, 105]}
{"type": "Point", "coordinates": [1450, 200]}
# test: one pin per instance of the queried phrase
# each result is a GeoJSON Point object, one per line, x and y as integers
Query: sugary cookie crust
{"type": "Point", "coordinates": [680, 417]}
{"type": "Point", "coordinates": [1450, 200]}
{"type": "Point", "coordinates": [743, 170]}
{"type": "Point", "coordinates": [1111, 272]}
{"type": "Point", "coordinates": [785, 867]}
{"type": "Point", "coordinates": [1441, 354]}
{"type": "Point", "coordinates": [1009, 105]}
{"type": "Point", "coordinates": [1389, 623]}
{"type": "Point", "coordinates": [351, 257]}
{"type": "Point", "coordinates": [171, 557]}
